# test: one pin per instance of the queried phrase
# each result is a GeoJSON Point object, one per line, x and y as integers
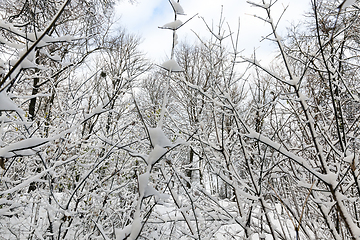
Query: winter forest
{"type": "Point", "coordinates": [99, 142]}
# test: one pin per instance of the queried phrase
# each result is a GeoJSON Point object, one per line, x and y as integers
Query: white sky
{"type": "Point", "coordinates": [144, 17]}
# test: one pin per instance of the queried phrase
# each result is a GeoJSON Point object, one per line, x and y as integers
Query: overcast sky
{"type": "Point", "coordinates": [144, 17]}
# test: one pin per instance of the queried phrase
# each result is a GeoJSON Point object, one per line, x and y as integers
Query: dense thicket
{"type": "Point", "coordinates": [98, 143]}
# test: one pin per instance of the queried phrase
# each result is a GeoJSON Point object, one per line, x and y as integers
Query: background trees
{"type": "Point", "coordinates": [96, 144]}
{"type": "Point", "coordinates": [59, 109]}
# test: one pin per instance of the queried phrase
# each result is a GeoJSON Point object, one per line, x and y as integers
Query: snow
{"type": "Point", "coordinates": [29, 64]}
{"type": "Point", "coordinates": [172, 65]}
{"type": "Point", "coordinates": [135, 227]}
{"type": "Point", "coordinates": [8, 210]}
{"type": "Point", "coordinates": [65, 38]}
{"type": "Point", "coordinates": [294, 81]}
{"type": "Point", "coordinates": [101, 229]}
{"type": "Point", "coordinates": [150, 191]}
{"type": "Point", "coordinates": [158, 137]}
{"type": "Point", "coordinates": [30, 56]}
{"type": "Point", "coordinates": [122, 233]}
{"type": "Point", "coordinates": [330, 178]}
{"type": "Point", "coordinates": [8, 105]}
{"type": "Point", "coordinates": [96, 111]}
{"type": "Point", "coordinates": [147, 190]}
{"type": "Point", "coordinates": [156, 154]}
{"type": "Point", "coordinates": [13, 29]}
{"type": "Point", "coordinates": [303, 97]}
{"type": "Point", "coordinates": [257, 63]}
{"type": "Point", "coordinates": [23, 148]}
{"type": "Point", "coordinates": [173, 25]}
{"type": "Point", "coordinates": [66, 64]}
{"type": "Point", "coordinates": [30, 96]}
{"type": "Point", "coordinates": [48, 40]}
{"type": "Point", "coordinates": [54, 57]}
{"type": "Point", "coordinates": [355, 230]}
{"type": "Point", "coordinates": [271, 143]}
{"type": "Point", "coordinates": [349, 158]}
{"type": "Point", "coordinates": [175, 39]}
{"type": "Point", "coordinates": [252, 134]}
{"type": "Point", "coordinates": [143, 182]}
{"type": "Point", "coordinates": [10, 44]}
{"type": "Point", "coordinates": [26, 182]}
{"type": "Point", "coordinates": [177, 7]}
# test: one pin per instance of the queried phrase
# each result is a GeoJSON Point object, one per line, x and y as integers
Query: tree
{"type": "Point", "coordinates": [57, 154]}
{"type": "Point", "coordinates": [292, 151]}
{"type": "Point", "coordinates": [313, 138]}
